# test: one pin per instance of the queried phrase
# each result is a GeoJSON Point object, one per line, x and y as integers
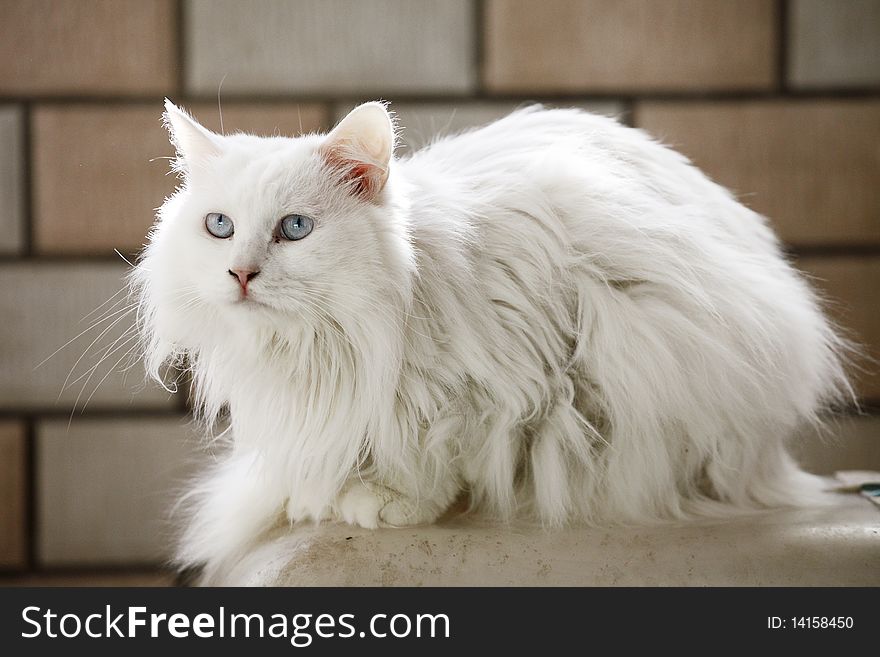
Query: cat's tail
{"type": "Point", "coordinates": [777, 482]}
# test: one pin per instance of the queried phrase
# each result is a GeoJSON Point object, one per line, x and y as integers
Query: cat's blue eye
{"type": "Point", "coordinates": [219, 225]}
{"type": "Point", "coordinates": [296, 226]}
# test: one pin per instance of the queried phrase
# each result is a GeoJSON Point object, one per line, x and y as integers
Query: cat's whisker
{"type": "Point", "coordinates": [189, 298]}
{"type": "Point", "coordinates": [105, 331]}
{"type": "Point", "coordinates": [116, 294]}
{"type": "Point", "coordinates": [126, 260]}
{"type": "Point", "coordinates": [76, 403]}
{"type": "Point", "coordinates": [219, 106]}
{"type": "Point", "coordinates": [110, 371]}
{"type": "Point", "coordinates": [93, 326]}
{"type": "Point", "coordinates": [91, 373]}
{"type": "Point", "coordinates": [135, 359]}
{"type": "Point", "coordinates": [120, 306]}
{"type": "Point", "coordinates": [129, 331]}
{"type": "Point", "coordinates": [128, 335]}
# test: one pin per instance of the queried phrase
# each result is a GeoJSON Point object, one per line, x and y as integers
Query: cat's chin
{"type": "Point", "coordinates": [250, 304]}
{"type": "Point", "coordinates": [241, 305]}
{"type": "Point", "coordinates": [255, 311]}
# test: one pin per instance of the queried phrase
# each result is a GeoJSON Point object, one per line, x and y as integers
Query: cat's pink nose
{"type": "Point", "coordinates": [244, 277]}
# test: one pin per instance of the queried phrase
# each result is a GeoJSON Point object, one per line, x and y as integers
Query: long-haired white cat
{"type": "Point", "coordinates": [553, 313]}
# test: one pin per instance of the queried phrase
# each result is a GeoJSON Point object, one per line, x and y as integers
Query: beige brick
{"type": "Point", "coordinates": [43, 306]}
{"type": "Point", "coordinates": [811, 166]}
{"type": "Point", "coordinates": [105, 489]}
{"type": "Point", "coordinates": [421, 122]}
{"type": "Point", "coordinates": [330, 46]}
{"type": "Point", "coordinates": [852, 288]}
{"type": "Point", "coordinates": [834, 44]}
{"type": "Point", "coordinates": [845, 443]}
{"type": "Point", "coordinates": [11, 183]}
{"type": "Point", "coordinates": [100, 171]}
{"type": "Point", "coordinates": [623, 45]}
{"type": "Point", "coordinates": [95, 186]}
{"type": "Point", "coordinates": [80, 47]}
{"type": "Point", "coordinates": [13, 495]}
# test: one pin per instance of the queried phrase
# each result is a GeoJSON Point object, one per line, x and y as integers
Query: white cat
{"type": "Point", "coordinates": [553, 313]}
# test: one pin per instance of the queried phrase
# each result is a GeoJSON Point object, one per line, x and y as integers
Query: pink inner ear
{"type": "Point", "coordinates": [363, 178]}
{"type": "Point", "coordinates": [366, 179]}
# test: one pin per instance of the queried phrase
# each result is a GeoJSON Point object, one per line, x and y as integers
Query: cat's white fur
{"type": "Point", "coordinates": [553, 313]}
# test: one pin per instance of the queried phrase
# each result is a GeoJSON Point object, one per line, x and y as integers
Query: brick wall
{"type": "Point", "coordinates": [777, 99]}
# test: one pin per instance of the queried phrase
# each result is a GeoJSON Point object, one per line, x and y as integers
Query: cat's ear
{"type": "Point", "coordinates": [194, 143]}
{"type": "Point", "coordinates": [360, 148]}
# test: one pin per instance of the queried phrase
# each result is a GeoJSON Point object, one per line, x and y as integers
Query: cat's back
{"type": "Point", "coordinates": [514, 141]}
{"type": "Point", "coordinates": [590, 167]}
{"type": "Point", "coordinates": [534, 148]}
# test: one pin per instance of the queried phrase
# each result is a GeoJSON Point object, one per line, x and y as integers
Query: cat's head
{"type": "Point", "coordinates": [267, 235]}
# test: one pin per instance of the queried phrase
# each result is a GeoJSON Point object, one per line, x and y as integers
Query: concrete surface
{"type": "Point", "coordinates": [835, 545]}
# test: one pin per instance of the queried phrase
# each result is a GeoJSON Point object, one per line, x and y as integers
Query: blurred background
{"type": "Point", "coordinates": [778, 100]}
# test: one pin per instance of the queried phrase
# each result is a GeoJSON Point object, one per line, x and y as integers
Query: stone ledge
{"type": "Point", "coordinates": [837, 545]}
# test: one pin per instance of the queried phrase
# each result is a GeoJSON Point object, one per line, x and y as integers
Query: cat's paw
{"type": "Point", "coordinates": [373, 505]}
{"type": "Point", "coordinates": [360, 504]}
{"type": "Point", "coordinates": [401, 512]}
{"type": "Point", "coordinates": [297, 514]}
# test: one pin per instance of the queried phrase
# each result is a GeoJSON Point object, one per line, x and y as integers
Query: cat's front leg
{"type": "Point", "coordinates": [371, 504]}
{"type": "Point", "coordinates": [230, 506]}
